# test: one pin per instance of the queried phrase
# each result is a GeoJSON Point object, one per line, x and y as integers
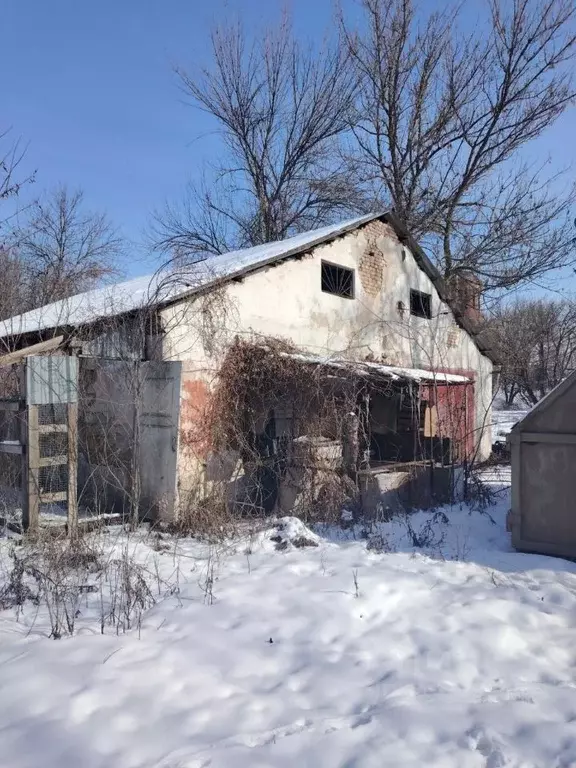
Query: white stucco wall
{"type": "Point", "coordinates": [286, 301]}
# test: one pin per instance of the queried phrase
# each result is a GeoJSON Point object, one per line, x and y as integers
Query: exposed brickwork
{"type": "Point", "coordinates": [465, 291]}
{"type": "Point", "coordinates": [453, 337]}
{"type": "Point", "coordinates": [372, 262]}
{"type": "Point", "coordinates": [371, 270]}
{"type": "Point", "coordinates": [377, 229]}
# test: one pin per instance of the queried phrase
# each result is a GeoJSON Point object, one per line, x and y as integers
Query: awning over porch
{"type": "Point", "coordinates": [408, 414]}
{"type": "Point", "coordinates": [395, 373]}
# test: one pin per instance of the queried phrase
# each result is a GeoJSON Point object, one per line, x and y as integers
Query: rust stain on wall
{"type": "Point", "coordinates": [194, 431]}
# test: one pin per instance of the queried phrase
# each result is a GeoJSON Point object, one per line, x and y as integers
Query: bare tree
{"type": "Point", "coordinates": [11, 156]}
{"type": "Point", "coordinates": [442, 116]}
{"type": "Point", "coordinates": [281, 109]}
{"type": "Point", "coordinates": [11, 182]}
{"type": "Point", "coordinates": [537, 343]}
{"type": "Point", "coordinates": [12, 293]}
{"type": "Point", "coordinates": [64, 249]}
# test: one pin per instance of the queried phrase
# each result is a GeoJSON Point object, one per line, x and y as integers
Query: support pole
{"type": "Point", "coordinates": [72, 468]}
{"type": "Point", "coordinates": [31, 473]}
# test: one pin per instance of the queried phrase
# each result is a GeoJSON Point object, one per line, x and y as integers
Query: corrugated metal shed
{"type": "Point", "coordinates": [543, 443]}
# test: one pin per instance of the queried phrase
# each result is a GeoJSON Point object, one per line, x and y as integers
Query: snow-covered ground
{"type": "Point", "coordinates": [354, 652]}
{"type": "Point", "coordinates": [503, 421]}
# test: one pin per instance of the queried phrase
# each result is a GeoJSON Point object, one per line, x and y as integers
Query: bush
{"type": "Point", "coordinates": [58, 573]}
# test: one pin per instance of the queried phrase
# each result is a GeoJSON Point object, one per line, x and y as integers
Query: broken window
{"type": "Point", "coordinates": [420, 304]}
{"type": "Point", "coordinates": [337, 280]}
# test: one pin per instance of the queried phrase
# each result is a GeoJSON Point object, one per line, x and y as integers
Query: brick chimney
{"type": "Point", "coordinates": [465, 291]}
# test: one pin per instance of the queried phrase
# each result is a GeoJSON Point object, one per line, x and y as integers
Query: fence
{"type": "Point", "coordinates": [39, 445]}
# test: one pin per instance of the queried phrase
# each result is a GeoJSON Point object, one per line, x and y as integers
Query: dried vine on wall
{"type": "Point", "coordinates": [308, 404]}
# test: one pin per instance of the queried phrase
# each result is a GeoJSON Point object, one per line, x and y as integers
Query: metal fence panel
{"type": "Point", "coordinates": [51, 380]}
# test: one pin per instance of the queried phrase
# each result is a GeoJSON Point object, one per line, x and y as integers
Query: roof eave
{"type": "Point", "coordinates": [272, 260]}
{"type": "Point", "coordinates": [386, 217]}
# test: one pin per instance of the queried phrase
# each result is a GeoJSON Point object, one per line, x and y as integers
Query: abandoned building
{"type": "Point", "coordinates": [335, 353]}
{"type": "Point", "coordinates": [543, 455]}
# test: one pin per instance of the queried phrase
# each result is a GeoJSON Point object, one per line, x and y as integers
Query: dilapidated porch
{"type": "Point", "coordinates": [303, 435]}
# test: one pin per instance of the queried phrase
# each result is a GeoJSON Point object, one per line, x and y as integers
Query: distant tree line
{"type": "Point", "coordinates": [51, 246]}
{"type": "Point", "coordinates": [536, 342]}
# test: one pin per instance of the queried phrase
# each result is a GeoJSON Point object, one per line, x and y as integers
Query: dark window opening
{"type": "Point", "coordinates": [338, 280]}
{"type": "Point", "coordinates": [420, 304]}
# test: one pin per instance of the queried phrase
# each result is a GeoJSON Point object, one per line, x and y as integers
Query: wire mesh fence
{"type": "Point", "coordinates": [53, 458]}
{"type": "Point", "coordinates": [38, 412]}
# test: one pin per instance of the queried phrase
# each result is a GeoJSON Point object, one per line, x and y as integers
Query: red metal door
{"type": "Point", "coordinates": [454, 415]}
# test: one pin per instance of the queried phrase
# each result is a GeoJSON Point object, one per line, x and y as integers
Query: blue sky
{"type": "Point", "coordinates": [89, 86]}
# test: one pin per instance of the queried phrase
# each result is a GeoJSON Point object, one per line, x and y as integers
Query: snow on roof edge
{"type": "Point", "coordinates": [545, 402]}
{"type": "Point", "coordinates": [393, 371]}
{"type": "Point", "coordinates": [159, 288]}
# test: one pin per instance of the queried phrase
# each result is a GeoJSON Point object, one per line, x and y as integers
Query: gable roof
{"type": "Point", "coordinates": [163, 288]}
{"type": "Point", "coordinates": [542, 405]}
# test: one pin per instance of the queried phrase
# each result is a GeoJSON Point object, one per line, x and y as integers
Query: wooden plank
{"type": "Point", "coordinates": [23, 429]}
{"type": "Point", "coordinates": [548, 437]}
{"type": "Point", "coordinates": [32, 488]}
{"type": "Point", "coordinates": [48, 429]}
{"type": "Point", "coordinates": [34, 349]}
{"type": "Point", "coordinates": [53, 461]}
{"type": "Point", "coordinates": [72, 468]}
{"type": "Point", "coordinates": [10, 405]}
{"type": "Point", "coordinates": [11, 446]}
{"type": "Point", "coordinates": [49, 498]}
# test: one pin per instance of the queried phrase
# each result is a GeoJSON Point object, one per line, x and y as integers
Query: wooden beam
{"type": "Point", "coordinates": [31, 486]}
{"type": "Point", "coordinates": [72, 494]}
{"type": "Point", "coordinates": [34, 349]}
{"type": "Point", "coordinates": [53, 461]}
{"type": "Point", "coordinates": [49, 498]}
{"type": "Point", "coordinates": [548, 437]}
{"type": "Point", "coordinates": [11, 446]}
{"type": "Point", "coordinates": [48, 429]}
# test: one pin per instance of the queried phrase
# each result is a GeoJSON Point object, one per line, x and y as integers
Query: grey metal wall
{"type": "Point", "coordinates": [543, 513]}
{"type": "Point", "coordinates": [129, 422]}
{"type": "Point", "coordinates": [51, 379]}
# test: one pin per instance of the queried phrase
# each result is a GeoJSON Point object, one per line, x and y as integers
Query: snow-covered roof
{"type": "Point", "coordinates": [163, 287]}
{"type": "Point", "coordinates": [390, 371]}
{"type": "Point", "coordinates": [524, 424]}
{"type": "Point", "coordinates": [416, 374]}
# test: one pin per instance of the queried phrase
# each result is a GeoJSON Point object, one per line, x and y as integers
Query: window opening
{"type": "Point", "coordinates": [337, 280]}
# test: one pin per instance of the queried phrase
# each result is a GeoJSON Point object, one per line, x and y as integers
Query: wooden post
{"type": "Point", "coordinates": [72, 468]}
{"type": "Point", "coordinates": [31, 473]}
{"type": "Point", "coordinates": [23, 433]}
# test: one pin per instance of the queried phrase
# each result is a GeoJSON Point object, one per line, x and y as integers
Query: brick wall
{"type": "Point", "coordinates": [372, 261]}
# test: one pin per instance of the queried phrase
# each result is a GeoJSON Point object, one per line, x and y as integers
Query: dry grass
{"type": "Point", "coordinates": [64, 577]}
